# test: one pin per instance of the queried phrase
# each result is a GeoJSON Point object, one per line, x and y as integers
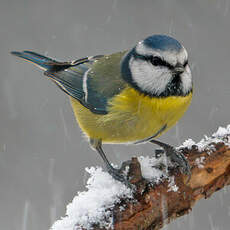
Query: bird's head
{"type": "Point", "coordinates": [158, 66]}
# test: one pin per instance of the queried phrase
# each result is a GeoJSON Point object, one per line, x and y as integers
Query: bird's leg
{"type": "Point", "coordinates": [175, 156]}
{"type": "Point", "coordinates": [115, 173]}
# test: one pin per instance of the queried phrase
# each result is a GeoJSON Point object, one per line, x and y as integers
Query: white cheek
{"type": "Point", "coordinates": [186, 78]}
{"type": "Point", "coordinates": [151, 79]}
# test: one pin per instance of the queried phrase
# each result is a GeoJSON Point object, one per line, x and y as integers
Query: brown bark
{"type": "Point", "coordinates": [155, 205]}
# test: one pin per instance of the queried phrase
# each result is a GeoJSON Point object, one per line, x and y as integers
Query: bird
{"type": "Point", "coordinates": [128, 97]}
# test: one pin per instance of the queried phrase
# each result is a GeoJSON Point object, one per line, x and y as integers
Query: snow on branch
{"type": "Point", "coordinates": [161, 193]}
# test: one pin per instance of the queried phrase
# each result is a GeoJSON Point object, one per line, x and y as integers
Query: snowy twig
{"type": "Point", "coordinates": [160, 195]}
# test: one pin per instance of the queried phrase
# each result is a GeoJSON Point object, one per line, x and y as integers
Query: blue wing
{"type": "Point", "coordinates": [81, 80]}
{"type": "Point", "coordinates": [75, 82]}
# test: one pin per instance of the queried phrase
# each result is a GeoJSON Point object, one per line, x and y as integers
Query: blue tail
{"type": "Point", "coordinates": [43, 62]}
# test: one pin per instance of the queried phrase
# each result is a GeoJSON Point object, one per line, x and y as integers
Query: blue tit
{"type": "Point", "coordinates": [131, 96]}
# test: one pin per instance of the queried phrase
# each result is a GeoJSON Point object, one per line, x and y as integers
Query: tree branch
{"type": "Point", "coordinates": [156, 204]}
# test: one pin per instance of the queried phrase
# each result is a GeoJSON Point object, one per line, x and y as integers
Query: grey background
{"type": "Point", "coordinates": [42, 151]}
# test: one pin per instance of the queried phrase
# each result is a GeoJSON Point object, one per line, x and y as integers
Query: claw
{"type": "Point", "coordinates": [115, 173]}
{"type": "Point", "coordinates": [180, 160]}
{"type": "Point", "coordinates": [176, 157]}
{"type": "Point", "coordinates": [118, 175]}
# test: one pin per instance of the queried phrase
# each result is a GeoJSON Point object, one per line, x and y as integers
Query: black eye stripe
{"type": "Point", "coordinates": [156, 61]}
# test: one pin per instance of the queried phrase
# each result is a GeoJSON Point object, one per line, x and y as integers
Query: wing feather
{"type": "Point", "coordinates": [93, 81]}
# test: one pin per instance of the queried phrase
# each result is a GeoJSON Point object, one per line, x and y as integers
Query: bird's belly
{"type": "Point", "coordinates": [131, 117]}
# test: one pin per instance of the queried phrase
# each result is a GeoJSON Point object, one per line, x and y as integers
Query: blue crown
{"type": "Point", "coordinates": [162, 42]}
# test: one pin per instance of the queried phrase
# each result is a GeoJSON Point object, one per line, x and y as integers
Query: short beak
{"type": "Point", "coordinates": [179, 68]}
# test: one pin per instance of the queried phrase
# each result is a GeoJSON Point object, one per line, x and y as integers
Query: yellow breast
{"type": "Point", "coordinates": [132, 116]}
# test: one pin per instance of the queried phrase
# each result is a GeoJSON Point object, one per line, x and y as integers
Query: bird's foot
{"type": "Point", "coordinates": [118, 174]}
{"type": "Point", "coordinates": [179, 158]}
{"type": "Point", "coordinates": [176, 157]}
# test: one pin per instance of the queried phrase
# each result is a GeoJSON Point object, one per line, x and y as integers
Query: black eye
{"type": "Point", "coordinates": [186, 63]}
{"type": "Point", "coordinates": [157, 61]}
